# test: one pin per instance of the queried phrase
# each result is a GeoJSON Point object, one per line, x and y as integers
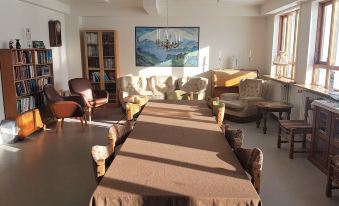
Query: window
{"type": "Point", "coordinates": [326, 61]}
{"type": "Point", "coordinates": [288, 33]}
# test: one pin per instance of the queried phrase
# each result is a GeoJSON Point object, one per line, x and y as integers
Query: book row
{"type": "Point", "coordinates": [29, 103]}
{"type": "Point", "coordinates": [95, 77]}
{"type": "Point", "coordinates": [92, 38]}
{"type": "Point", "coordinates": [109, 76]}
{"type": "Point", "coordinates": [30, 86]}
{"type": "Point", "coordinates": [24, 72]}
{"type": "Point", "coordinates": [42, 71]}
{"type": "Point", "coordinates": [44, 57]}
{"type": "Point", "coordinates": [22, 57]}
{"type": "Point", "coordinates": [109, 63]}
{"type": "Point", "coordinates": [92, 51]}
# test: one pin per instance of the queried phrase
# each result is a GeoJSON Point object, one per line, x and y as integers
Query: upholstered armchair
{"type": "Point", "coordinates": [241, 107]}
{"type": "Point", "coordinates": [252, 161]}
{"type": "Point", "coordinates": [64, 107]}
{"type": "Point", "coordinates": [234, 137]}
{"type": "Point", "coordinates": [132, 88]}
{"type": "Point", "coordinates": [332, 175]}
{"type": "Point", "coordinates": [195, 86]}
{"type": "Point", "coordinates": [161, 85]}
{"type": "Point", "coordinates": [91, 98]}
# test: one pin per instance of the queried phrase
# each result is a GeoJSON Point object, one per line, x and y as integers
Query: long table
{"type": "Point", "coordinates": [176, 155]}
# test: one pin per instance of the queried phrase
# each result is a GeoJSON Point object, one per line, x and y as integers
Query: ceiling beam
{"type": "Point", "coordinates": [151, 7]}
{"type": "Point", "coordinates": [50, 4]}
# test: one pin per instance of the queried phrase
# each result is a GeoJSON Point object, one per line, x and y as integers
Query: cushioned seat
{"type": "Point", "coordinates": [195, 85]}
{"type": "Point", "coordinates": [99, 102]}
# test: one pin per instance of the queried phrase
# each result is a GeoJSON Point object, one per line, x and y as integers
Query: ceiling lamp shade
{"type": "Point", "coordinates": [280, 59]}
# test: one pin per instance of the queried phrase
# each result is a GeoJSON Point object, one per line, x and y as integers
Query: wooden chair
{"type": "Point", "coordinates": [332, 175]}
{"type": "Point", "coordinates": [252, 161]}
{"type": "Point", "coordinates": [104, 155]}
{"type": "Point", "coordinates": [293, 127]}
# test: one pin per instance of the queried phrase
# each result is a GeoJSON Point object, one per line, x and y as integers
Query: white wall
{"type": "Point", "coordinates": [15, 17]}
{"type": "Point", "coordinates": [228, 35]}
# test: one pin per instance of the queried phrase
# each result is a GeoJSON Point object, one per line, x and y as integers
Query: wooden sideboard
{"type": "Point", "coordinates": [227, 80]}
{"type": "Point", "coordinates": [325, 137]}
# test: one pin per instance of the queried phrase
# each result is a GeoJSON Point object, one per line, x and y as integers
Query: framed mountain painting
{"type": "Point", "coordinates": [151, 48]}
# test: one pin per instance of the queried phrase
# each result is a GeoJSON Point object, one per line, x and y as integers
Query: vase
{"type": "Point", "coordinates": [18, 45]}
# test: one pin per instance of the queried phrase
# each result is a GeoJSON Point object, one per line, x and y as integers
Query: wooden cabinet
{"type": "Point", "coordinates": [325, 139]}
{"type": "Point", "coordinates": [100, 60]}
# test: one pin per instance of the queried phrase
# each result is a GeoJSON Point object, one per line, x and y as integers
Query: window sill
{"type": "Point", "coordinates": [282, 80]}
{"type": "Point", "coordinates": [315, 89]}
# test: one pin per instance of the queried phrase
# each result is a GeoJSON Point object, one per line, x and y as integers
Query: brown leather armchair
{"type": "Point", "coordinates": [64, 107]}
{"type": "Point", "coordinates": [92, 98]}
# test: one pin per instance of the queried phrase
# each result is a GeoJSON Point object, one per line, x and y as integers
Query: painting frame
{"type": "Point", "coordinates": [175, 27]}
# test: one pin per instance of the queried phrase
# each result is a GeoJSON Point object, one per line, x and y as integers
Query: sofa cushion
{"type": "Point", "coordinates": [235, 104]}
{"type": "Point", "coordinates": [176, 95]}
{"type": "Point", "coordinates": [134, 85]}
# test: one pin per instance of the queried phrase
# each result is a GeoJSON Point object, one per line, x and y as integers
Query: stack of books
{"type": "Point", "coordinates": [42, 71]}
{"type": "Point", "coordinates": [92, 38]}
{"type": "Point", "coordinates": [109, 63]}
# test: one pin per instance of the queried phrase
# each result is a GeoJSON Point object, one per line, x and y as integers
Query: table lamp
{"type": "Point", "coordinates": [280, 61]}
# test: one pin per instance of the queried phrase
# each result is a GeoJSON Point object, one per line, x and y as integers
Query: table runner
{"type": "Point", "coordinates": [176, 155]}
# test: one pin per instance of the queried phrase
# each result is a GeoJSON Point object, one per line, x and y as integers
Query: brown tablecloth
{"type": "Point", "coordinates": [176, 155]}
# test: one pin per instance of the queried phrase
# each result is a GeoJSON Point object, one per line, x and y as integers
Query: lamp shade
{"type": "Point", "coordinates": [280, 59]}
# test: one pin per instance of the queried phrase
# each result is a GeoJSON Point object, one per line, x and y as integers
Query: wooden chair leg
{"type": "Point", "coordinates": [90, 115]}
{"type": "Point", "coordinates": [57, 127]}
{"type": "Point", "coordinates": [279, 137]}
{"type": "Point", "coordinates": [304, 140]}
{"type": "Point", "coordinates": [82, 123]}
{"type": "Point", "coordinates": [85, 118]}
{"type": "Point", "coordinates": [329, 178]}
{"type": "Point", "coordinates": [292, 146]}
{"type": "Point", "coordinates": [62, 122]}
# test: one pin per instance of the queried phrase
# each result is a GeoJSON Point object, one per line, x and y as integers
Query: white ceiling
{"type": "Point", "coordinates": [194, 2]}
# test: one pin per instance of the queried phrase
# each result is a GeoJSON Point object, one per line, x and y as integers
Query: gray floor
{"type": "Point", "coordinates": [56, 169]}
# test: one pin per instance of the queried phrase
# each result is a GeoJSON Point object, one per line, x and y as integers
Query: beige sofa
{"type": "Point", "coordinates": [160, 88]}
{"type": "Point", "coordinates": [241, 107]}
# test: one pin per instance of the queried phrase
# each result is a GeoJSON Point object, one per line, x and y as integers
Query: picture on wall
{"type": "Point", "coordinates": [148, 51]}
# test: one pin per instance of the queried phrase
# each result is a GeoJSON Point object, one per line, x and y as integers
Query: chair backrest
{"type": "Point", "coordinates": [252, 161]}
{"type": "Point", "coordinates": [51, 94]}
{"type": "Point", "coordinates": [134, 85]}
{"type": "Point", "coordinates": [82, 87]}
{"type": "Point", "coordinates": [234, 137]}
{"type": "Point", "coordinates": [192, 84]}
{"type": "Point", "coordinates": [308, 107]}
{"type": "Point", "coordinates": [251, 88]}
{"type": "Point", "coordinates": [162, 84]}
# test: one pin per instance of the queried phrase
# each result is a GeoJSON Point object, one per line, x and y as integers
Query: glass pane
{"type": "Point", "coordinates": [321, 77]}
{"type": "Point", "coordinates": [336, 37]}
{"type": "Point", "coordinates": [336, 80]}
{"type": "Point", "coordinates": [322, 122]}
{"type": "Point", "coordinates": [283, 34]}
{"type": "Point", "coordinates": [327, 16]}
{"type": "Point", "coordinates": [92, 50]}
{"type": "Point", "coordinates": [320, 148]}
{"type": "Point", "coordinates": [336, 129]}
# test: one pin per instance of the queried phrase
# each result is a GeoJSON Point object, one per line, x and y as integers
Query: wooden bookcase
{"type": "Point", "coordinates": [100, 60]}
{"type": "Point", "coordinates": [24, 72]}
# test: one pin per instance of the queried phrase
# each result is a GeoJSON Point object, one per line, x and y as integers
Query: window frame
{"type": "Point", "coordinates": [285, 37]}
{"type": "Point", "coordinates": [318, 47]}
